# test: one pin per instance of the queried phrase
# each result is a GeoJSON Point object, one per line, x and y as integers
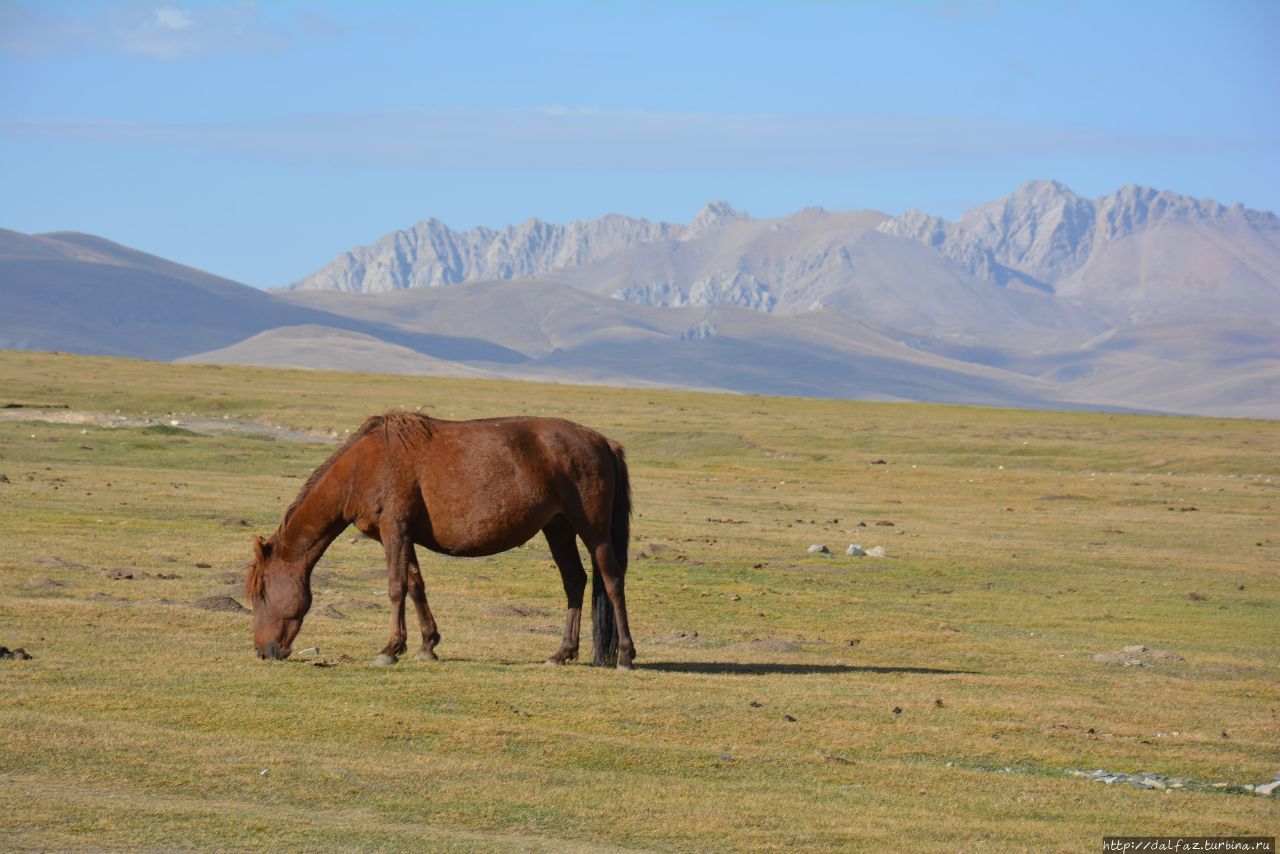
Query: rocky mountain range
{"type": "Point", "coordinates": [1139, 299]}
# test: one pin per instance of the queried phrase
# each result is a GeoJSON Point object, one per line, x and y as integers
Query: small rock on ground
{"type": "Point", "coordinates": [819, 549]}
{"type": "Point", "coordinates": [875, 551]}
{"type": "Point", "coordinates": [854, 550]}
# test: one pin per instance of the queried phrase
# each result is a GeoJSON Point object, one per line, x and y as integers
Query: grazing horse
{"type": "Point", "coordinates": [465, 488]}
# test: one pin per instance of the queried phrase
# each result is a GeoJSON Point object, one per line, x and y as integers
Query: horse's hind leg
{"type": "Point", "coordinates": [564, 548]}
{"type": "Point", "coordinates": [614, 578]}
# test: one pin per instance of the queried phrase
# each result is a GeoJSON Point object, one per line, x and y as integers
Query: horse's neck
{"type": "Point", "coordinates": [314, 524]}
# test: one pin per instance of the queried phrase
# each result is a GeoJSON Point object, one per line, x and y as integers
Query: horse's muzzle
{"type": "Point", "coordinates": [273, 651]}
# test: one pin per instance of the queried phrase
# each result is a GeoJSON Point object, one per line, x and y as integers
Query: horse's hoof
{"type": "Point", "coordinates": [625, 665]}
{"type": "Point", "coordinates": [426, 655]}
{"type": "Point", "coordinates": [385, 660]}
{"type": "Point", "coordinates": [554, 662]}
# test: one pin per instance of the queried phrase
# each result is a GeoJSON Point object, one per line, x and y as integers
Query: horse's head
{"type": "Point", "coordinates": [280, 594]}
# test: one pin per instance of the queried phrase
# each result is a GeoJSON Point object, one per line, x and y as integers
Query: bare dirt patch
{"type": "Point", "coordinates": [221, 604]}
{"type": "Point", "coordinates": [513, 611]}
{"type": "Point", "coordinates": [200, 426]}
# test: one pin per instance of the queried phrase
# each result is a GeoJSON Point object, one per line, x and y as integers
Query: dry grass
{"type": "Point", "coordinates": [1022, 544]}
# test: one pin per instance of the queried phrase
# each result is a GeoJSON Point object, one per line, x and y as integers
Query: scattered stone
{"type": "Point", "coordinates": [878, 463]}
{"type": "Point", "coordinates": [167, 576]}
{"type": "Point", "coordinates": [124, 573]}
{"type": "Point", "coordinates": [331, 612]}
{"type": "Point", "coordinates": [755, 705]}
{"type": "Point", "coordinates": [223, 604]}
{"type": "Point", "coordinates": [853, 642]}
{"type": "Point", "coordinates": [18, 654]}
{"type": "Point", "coordinates": [875, 551]}
{"type": "Point", "coordinates": [235, 523]}
{"type": "Point", "coordinates": [861, 525]}
{"type": "Point", "coordinates": [4, 478]}
{"type": "Point", "coordinates": [819, 549]}
{"type": "Point", "coordinates": [897, 710]}
{"type": "Point", "coordinates": [1135, 649]}
{"type": "Point", "coordinates": [884, 523]}
{"type": "Point", "coordinates": [43, 584]}
{"type": "Point", "coordinates": [938, 703]}
{"type": "Point", "coordinates": [1156, 782]}
{"type": "Point", "coordinates": [789, 719]}
{"type": "Point", "coordinates": [854, 550]}
{"type": "Point", "coordinates": [1197, 597]}
{"type": "Point", "coordinates": [203, 565]}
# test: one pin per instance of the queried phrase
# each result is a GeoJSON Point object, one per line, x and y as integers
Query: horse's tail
{"type": "Point", "coordinates": [604, 628]}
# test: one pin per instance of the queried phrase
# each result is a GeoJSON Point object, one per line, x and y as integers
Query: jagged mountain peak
{"type": "Point", "coordinates": [430, 253]}
{"type": "Point", "coordinates": [713, 217]}
{"type": "Point", "coordinates": [1043, 231]}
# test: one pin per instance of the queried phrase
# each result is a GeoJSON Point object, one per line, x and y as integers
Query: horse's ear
{"type": "Point", "coordinates": [260, 549]}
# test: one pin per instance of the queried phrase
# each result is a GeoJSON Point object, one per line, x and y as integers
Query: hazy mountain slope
{"type": "Point", "coordinates": [323, 348]}
{"type": "Point", "coordinates": [1181, 270]}
{"type": "Point", "coordinates": [83, 294]}
{"type": "Point", "coordinates": [809, 356]}
{"type": "Point", "coordinates": [532, 316]}
{"type": "Point", "coordinates": [582, 337]}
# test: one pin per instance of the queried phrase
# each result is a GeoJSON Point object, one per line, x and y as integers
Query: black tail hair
{"type": "Point", "coordinates": [604, 629]}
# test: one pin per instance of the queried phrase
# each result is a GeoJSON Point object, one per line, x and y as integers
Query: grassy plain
{"type": "Point", "coordinates": [938, 696]}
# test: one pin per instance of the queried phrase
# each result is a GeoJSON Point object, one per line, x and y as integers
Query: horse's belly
{"type": "Point", "coordinates": [477, 534]}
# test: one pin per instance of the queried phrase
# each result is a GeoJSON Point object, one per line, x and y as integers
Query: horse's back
{"type": "Point", "coordinates": [489, 483]}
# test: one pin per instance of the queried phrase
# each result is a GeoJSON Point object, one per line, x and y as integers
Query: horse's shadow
{"type": "Point", "coordinates": [787, 668]}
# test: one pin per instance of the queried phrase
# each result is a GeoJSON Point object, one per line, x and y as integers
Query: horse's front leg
{"type": "Point", "coordinates": [426, 620]}
{"type": "Point", "coordinates": [399, 549]}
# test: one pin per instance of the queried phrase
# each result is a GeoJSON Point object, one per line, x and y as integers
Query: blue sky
{"type": "Point", "coordinates": [258, 140]}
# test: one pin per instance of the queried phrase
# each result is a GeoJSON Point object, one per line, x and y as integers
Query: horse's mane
{"type": "Point", "coordinates": [397, 422]}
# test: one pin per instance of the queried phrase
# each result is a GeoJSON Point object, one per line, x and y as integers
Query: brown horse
{"type": "Point", "coordinates": [464, 488]}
